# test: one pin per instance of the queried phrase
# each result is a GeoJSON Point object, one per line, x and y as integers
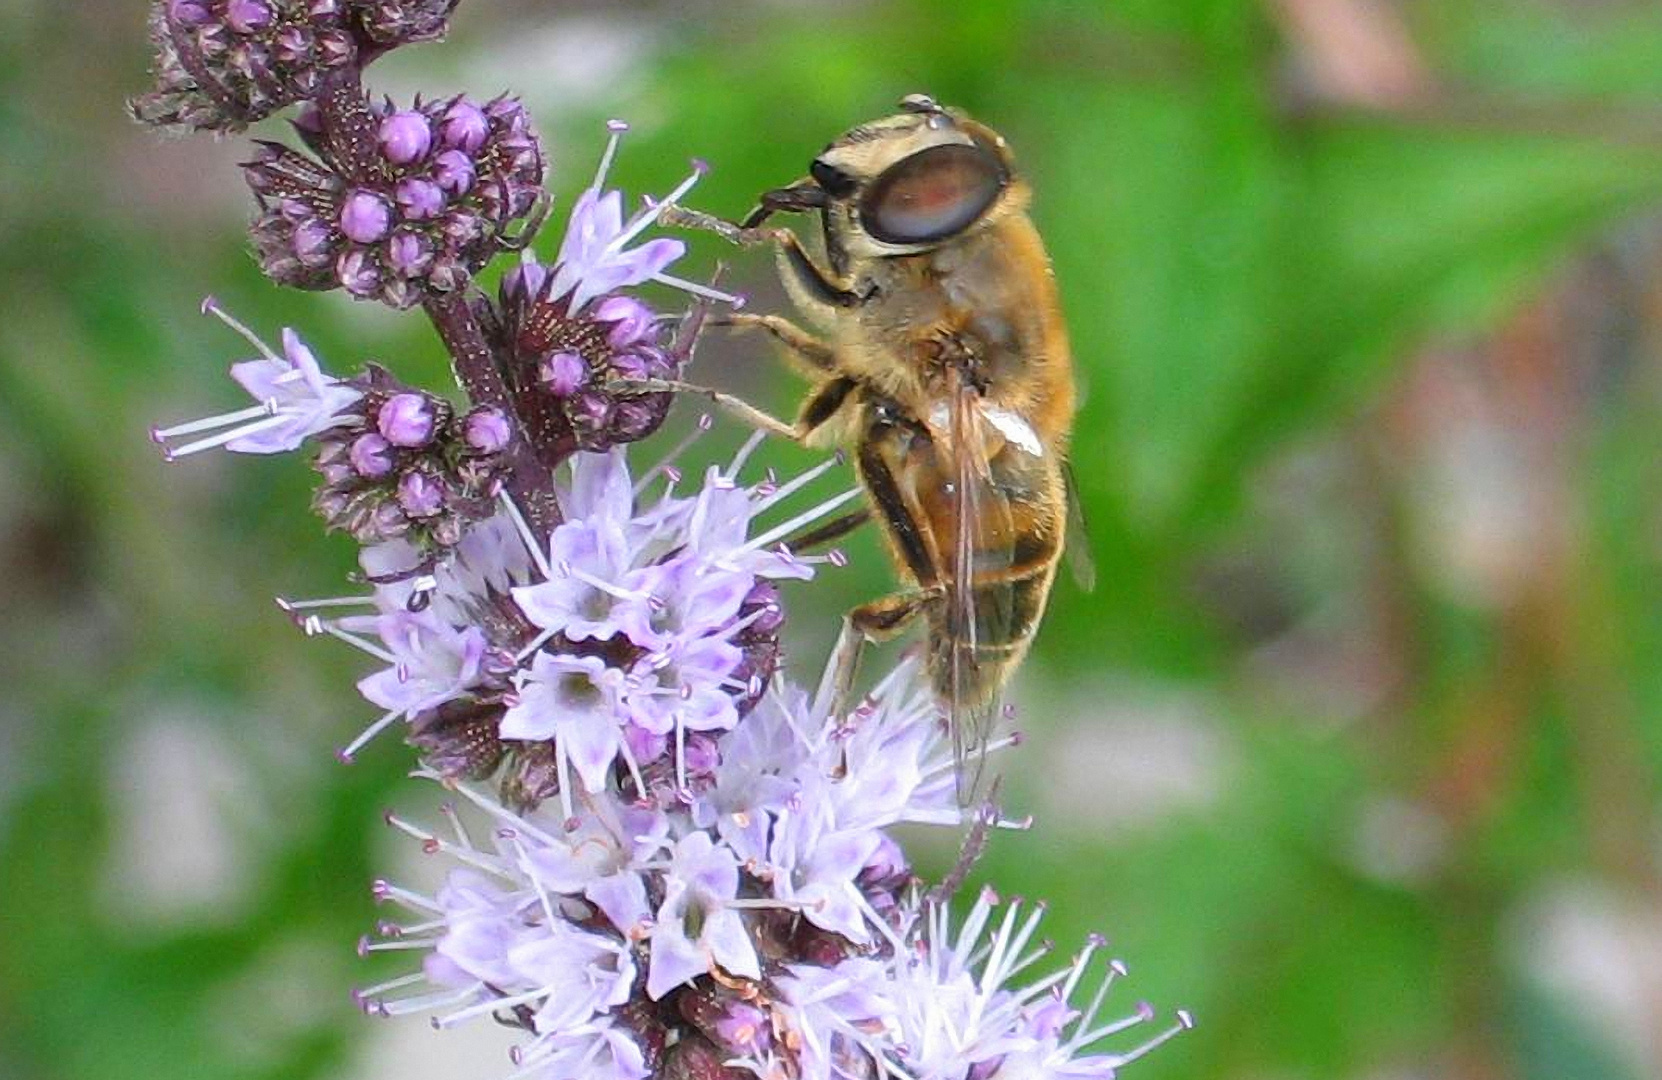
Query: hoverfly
{"type": "Point", "coordinates": [945, 368]}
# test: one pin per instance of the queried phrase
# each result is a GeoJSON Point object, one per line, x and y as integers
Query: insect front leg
{"type": "Point", "coordinates": [801, 345]}
{"type": "Point", "coordinates": [734, 405]}
{"type": "Point", "coordinates": [813, 288]}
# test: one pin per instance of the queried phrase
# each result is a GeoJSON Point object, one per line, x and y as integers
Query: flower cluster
{"type": "Point", "coordinates": [766, 922]}
{"type": "Point", "coordinates": [402, 463]}
{"type": "Point", "coordinates": [449, 181]}
{"type": "Point", "coordinates": [645, 627]}
{"type": "Point", "coordinates": [687, 865]}
{"type": "Point", "coordinates": [223, 64]}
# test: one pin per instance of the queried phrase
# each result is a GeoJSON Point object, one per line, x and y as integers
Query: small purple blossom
{"type": "Point", "coordinates": [296, 401]}
{"type": "Point", "coordinates": [573, 701]}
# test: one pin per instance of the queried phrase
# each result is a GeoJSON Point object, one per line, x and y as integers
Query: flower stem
{"type": "Point", "coordinates": [530, 482]}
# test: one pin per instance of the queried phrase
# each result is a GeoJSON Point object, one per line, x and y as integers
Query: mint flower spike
{"type": "Point", "coordinates": [297, 400]}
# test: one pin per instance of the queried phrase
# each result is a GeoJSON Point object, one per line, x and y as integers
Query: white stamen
{"type": "Point", "coordinates": [649, 215]}
{"type": "Point", "coordinates": [175, 453]}
{"type": "Point", "coordinates": [210, 306]}
{"type": "Point", "coordinates": [536, 643]}
{"type": "Point", "coordinates": [538, 557]}
{"type": "Point", "coordinates": [617, 128]}
{"type": "Point", "coordinates": [370, 992]}
{"type": "Point", "coordinates": [795, 484]}
{"type": "Point", "coordinates": [744, 453]}
{"type": "Point", "coordinates": [267, 407]}
{"type": "Point", "coordinates": [314, 626]}
{"type": "Point", "coordinates": [328, 602]}
{"type": "Point", "coordinates": [665, 462]}
{"type": "Point", "coordinates": [731, 299]}
{"type": "Point", "coordinates": [347, 752]}
{"type": "Point", "coordinates": [780, 531]}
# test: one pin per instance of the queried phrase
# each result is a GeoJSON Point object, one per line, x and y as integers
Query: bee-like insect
{"type": "Point", "coordinates": [945, 367]}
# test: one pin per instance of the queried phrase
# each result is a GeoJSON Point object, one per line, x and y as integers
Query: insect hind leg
{"type": "Point", "coordinates": [876, 621]}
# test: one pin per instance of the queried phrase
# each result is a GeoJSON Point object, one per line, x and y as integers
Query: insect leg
{"type": "Point", "coordinates": [820, 406]}
{"type": "Point", "coordinates": [802, 345]}
{"type": "Point", "coordinates": [835, 529]}
{"type": "Point", "coordinates": [809, 285]}
{"type": "Point", "coordinates": [878, 620]}
{"type": "Point", "coordinates": [732, 403]}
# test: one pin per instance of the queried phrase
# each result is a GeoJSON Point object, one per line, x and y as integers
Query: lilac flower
{"type": "Point", "coordinates": [572, 700]}
{"type": "Point", "coordinates": [697, 924]}
{"type": "Point", "coordinates": [296, 401]}
{"type": "Point", "coordinates": [431, 662]}
{"type": "Point", "coordinates": [595, 257]}
{"type": "Point", "coordinates": [576, 342]}
{"type": "Point", "coordinates": [546, 921]}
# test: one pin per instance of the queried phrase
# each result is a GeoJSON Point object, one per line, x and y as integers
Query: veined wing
{"type": "Point", "coordinates": [979, 596]}
{"type": "Point", "coordinates": [1076, 547]}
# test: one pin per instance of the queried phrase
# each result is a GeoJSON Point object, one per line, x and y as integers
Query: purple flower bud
{"type": "Point", "coordinates": [453, 171]}
{"type": "Point", "coordinates": [629, 365]}
{"type": "Point", "coordinates": [419, 199]}
{"type": "Point", "coordinates": [187, 12]}
{"type": "Point", "coordinates": [524, 282]}
{"type": "Point", "coordinates": [487, 430]}
{"type": "Point", "coordinates": [365, 217]}
{"type": "Point", "coordinates": [409, 254]}
{"type": "Point", "coordinates": [293, 45]}
{"type": "Point", "coordinates": [335, 47]}
{"type": "Point", "coordinates": [388, 520]}
{"type": "Point", "coordinates": [313, 242]}
{"type": "Point", "coordinates": [358, 273]}
{"type": "Point", "coordinates": [247, 16]}
{"type": "Point", "coordinates": [636, 418]}
{"type": "Point", "coordinates": [631, 320]}
{"type": "Point", "coordinates": [420, 495]}
{"type": "Point", "coordinates": [371, 456]}
{"type": "Point", "coordinates": [406, 420]}
{"type": "Point", "coordinates": [589, 411]}
{"type": "Point", "coordinates": [701, 754]}
{"type": "Point", "coordinates": [463, 228]}
{"type": "Point", "coordinates": [464, 127]}
{"type": "Point", "coordinates": [564, 373]}
{"type": "Point", "coordinates": [405, 137]}
{"type": "Point", "coordinates": [643, 744]}
{"type": "Point", "coordinates": [322, 10]}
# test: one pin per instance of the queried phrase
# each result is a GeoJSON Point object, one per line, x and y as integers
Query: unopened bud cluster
{"type": "Point", "coordinates": [403, 464]}
{"type": "Point", "coordinates": [574, 367]}
{"type": "Point", "coordinates": [450, 180]}
{"type": "Point", "coordinates": [223, 64]}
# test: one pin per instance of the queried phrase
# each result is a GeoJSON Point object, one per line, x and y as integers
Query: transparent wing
{"type": "Point", "coordinates": [1076, 547]}
{"type": "Point", "coordinates": [979, 595]}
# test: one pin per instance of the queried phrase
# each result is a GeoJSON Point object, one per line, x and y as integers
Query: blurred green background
{"type": "Point", "coordinates": [1355, 749]}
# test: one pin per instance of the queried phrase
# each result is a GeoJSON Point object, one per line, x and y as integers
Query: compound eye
{"type": "Point", "coordinates": [933, 194]}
